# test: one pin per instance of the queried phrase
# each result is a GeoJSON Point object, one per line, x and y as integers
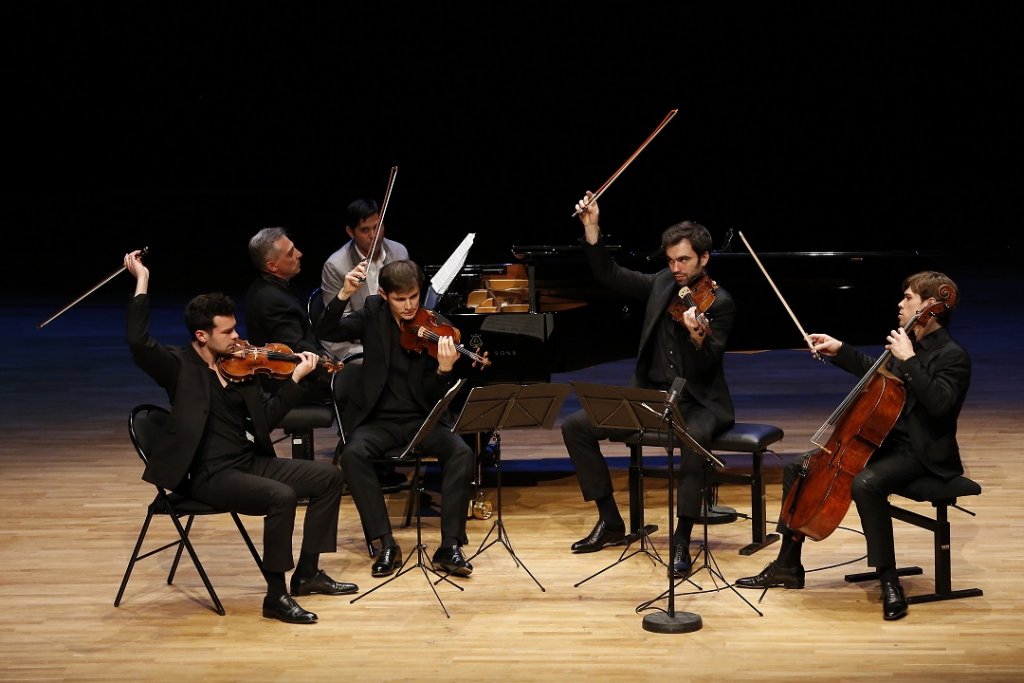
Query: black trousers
{"type": "Point", "coordinates": [272, 488]}
{"type": "Point", "coordinates": [888, 471]}
{"type": "Point", "coordinates": [582, 442]}
{"type": "Point", "coordinates": [374, 439]}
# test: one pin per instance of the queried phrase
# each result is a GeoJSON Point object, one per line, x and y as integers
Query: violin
{"type": "Point", "coordinates": [245, 361]}
{"type": "Point", "coordinates": [424, 331]}
{"type": "Point", "coordinates": [699, 294]}
{"type": "Point", "coordinates": [821, 496]}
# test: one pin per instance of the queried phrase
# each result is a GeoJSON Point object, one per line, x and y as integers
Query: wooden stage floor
{"type": "Point", "coordinates": [71, 503]}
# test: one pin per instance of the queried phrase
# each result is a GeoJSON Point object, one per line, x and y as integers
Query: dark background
{"type": "Point", "coordinates": [808, 126]}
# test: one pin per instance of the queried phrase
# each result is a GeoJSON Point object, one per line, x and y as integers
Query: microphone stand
{"type": "Point", "coordinates": [671, 621]}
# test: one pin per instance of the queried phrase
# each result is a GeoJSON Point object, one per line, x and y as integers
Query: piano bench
{"type": "Point", "coordinates": [941, 495]}
{"type": "Point", "coordinates": [743, 437]}
{"type": "Point", "coordinates": [755, 439]}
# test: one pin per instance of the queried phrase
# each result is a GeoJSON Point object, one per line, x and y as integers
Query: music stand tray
{"type": "Point", "coordinates": [495, 407]}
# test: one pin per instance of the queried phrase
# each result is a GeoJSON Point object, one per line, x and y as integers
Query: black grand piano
{"type": "Point", "coordinates": [542, 311]}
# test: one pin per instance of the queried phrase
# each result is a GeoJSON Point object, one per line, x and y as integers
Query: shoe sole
{"type": "Point", "coordinates": [454, 570]}
{"type": "Point", "coordinates": [774, 585]}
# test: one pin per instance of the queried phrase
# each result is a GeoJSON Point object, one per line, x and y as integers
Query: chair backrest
{"type": "Point", "coordinates": [315, 306]}
{"type": "Point", "coordinates": [145, 425]}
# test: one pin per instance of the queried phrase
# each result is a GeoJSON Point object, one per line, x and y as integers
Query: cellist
{"type": "Point", "coordinates": [936, 372]}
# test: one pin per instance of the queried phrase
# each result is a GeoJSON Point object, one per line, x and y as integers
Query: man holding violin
{"type": "Point", "coordinates": [217, 447]}
{"type": "Point", "coordinates": [687, 343]}
{"type": "Point", "coordinates": [397, 388]}
{"type": "Point", "coordinates": [935, 372]}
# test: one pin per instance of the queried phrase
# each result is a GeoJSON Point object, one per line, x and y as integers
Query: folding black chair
{"type": "Point", "coordinates": [145, 426]}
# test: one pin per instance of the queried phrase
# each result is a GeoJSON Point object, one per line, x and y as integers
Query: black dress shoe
{"type": "Point", "coordinates": [286, 609]}
{"type": "Point", "coordinates": [775, 576]}
{"type": "Point", "coordinates": [681, 561]}
{"type": "Point", "coordinates": [451, 559]}
{"type": "Point", "coordinates": [894, 602]}
{"type": "Point", "coordinates": [601, 536]}
{"type": "Point", "coordinates": [322, 584]}
{"type": "Point", "coordinates": [388, 561]}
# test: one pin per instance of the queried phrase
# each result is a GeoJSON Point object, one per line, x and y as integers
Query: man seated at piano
{"type": "Point", "coordinates": [396, 392]}
{"type": "Point", "coordinates": [691, 347]}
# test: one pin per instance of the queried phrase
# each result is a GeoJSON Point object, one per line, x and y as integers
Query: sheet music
{"type": "Point", "coordinates": [446, 274]}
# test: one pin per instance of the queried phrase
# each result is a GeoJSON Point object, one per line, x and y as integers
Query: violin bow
{"type": "Point", "coordinates": [142, 252]}
{"type": "Point", "coordinates": [634, 155]}
{"type": "Point", "coordinates": [380, 224]}
{"type": "Point", "coordinates": [779, 294]}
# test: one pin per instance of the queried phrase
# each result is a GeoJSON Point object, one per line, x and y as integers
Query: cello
{"type": "Point", "coordinates": [822, 493]}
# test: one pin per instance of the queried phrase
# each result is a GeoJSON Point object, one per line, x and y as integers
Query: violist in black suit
{"type": "Point", "coordinates": [692, 348]}
{"type": "Point", "coordinates": [397, 390]}
{"type": "Point", "coordinates": [209, 453]}
{"type": "Point", "coordinates": [936, 372]}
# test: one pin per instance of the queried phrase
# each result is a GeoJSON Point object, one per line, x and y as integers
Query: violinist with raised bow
{"type": "Point", "coordinates": [689, 344]}
{"type": "Point", "coordinates": [397, 389]}
{"type": "Point", "coordinates": [205, 451]}
{"type": "Point", "coordinates": [936, 372]}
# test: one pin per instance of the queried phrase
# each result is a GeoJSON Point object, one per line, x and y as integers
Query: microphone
{"type": "Point", "coordinates": [674, 395]}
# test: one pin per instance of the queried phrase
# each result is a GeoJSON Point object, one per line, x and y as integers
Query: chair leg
{"type": "Point", "coordinates": [177, 553]}
{"type": "Point", "coordinates": [248, 541]}
{"type": "Point", "coordinates": [135, 558]}
{"type": "Point", "coordinates": [183, 535]}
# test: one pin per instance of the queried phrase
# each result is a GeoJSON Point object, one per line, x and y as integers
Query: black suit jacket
{"type": "Point", "coordinates": [937, 378]}
{"type": "Point", "coordinates": [702, 368]}
{"type": "Point", "coordinates": [375, 326]}
{"type": "Point", "coordinates": [274, 313]}
{"type": "Point", "coordinates": [184, 375]}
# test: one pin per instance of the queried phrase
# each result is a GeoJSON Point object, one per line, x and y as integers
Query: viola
{"type": "Point", "coordinates": [424, 331]}
{"type": "Point", "coordinates": [699, 294]}
{"type": "Point", "coordinates": [821, 496]}
{"type": "Point", "coordinates": [245, 361]}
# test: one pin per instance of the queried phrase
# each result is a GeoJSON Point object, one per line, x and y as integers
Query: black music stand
{"type": "Point", "coordinates": [495, 407]}
{"type": "Point", "coordinates": [409, 453]}
{"type": "Point", "coordinates": [666, 623]}
{"type": "Point", "coordinates": [630, 409]}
